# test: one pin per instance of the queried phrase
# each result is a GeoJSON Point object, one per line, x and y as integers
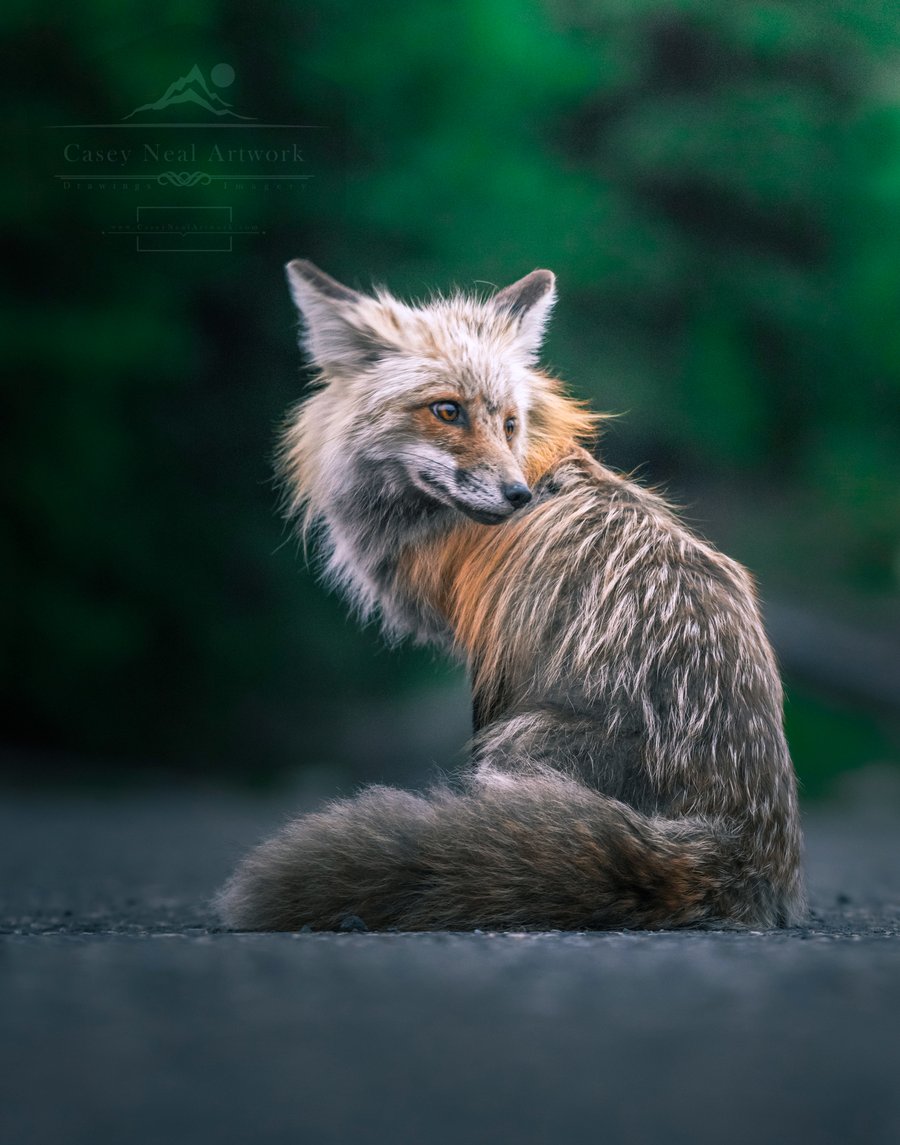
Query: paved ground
{"type": "Point", "coordinates": [126, 1016]}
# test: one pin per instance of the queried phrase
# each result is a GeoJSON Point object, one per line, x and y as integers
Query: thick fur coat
{"type": "Point", "coordinates": [629, 767]}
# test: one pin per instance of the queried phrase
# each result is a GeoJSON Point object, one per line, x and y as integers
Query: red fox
{"type": "Point", "coordinates": [629, 768]}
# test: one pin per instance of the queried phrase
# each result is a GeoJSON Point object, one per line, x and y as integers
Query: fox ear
{"type": "Point", "coordinates": [335, 336]}
{"type": "Point", "coordinates": [528, 303]}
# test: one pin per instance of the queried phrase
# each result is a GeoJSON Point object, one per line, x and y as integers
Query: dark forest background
{"type": "Point", "coordinates": [717, 186]}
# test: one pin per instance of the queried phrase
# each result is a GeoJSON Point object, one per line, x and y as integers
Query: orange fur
{"type": "Point", "coordinates": [462, 573]}
{"type": "Point", "coordinates": [558, 423]}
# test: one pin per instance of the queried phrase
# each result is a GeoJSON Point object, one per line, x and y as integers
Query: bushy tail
{"type": "Point", "coordinates": [535, 851]}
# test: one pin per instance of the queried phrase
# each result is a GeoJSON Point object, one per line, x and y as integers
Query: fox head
{"type": "Point", "coordinates": [439, 405]}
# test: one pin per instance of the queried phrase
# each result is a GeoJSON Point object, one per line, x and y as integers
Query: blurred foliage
{"type": "Point", "coordinates": [716, 182]}
{"type": "Point", "coordinates": [828, 740]}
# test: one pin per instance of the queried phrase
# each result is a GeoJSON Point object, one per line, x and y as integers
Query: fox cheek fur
{"type": "Point", "coordinates": [629, 765]}
{"type": "Point", "coordinates": [484, 483]}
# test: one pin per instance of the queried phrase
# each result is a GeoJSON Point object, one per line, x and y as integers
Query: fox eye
{"type": "Point", "coordinates": [509, 427]}
{"type": "Point", "coordinates": [447, 411]}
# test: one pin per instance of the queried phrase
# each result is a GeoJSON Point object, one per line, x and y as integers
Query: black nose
{"type": "Point", "coordinates": [517, 494]}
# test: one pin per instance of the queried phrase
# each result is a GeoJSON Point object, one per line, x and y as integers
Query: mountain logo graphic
{"type": "Point", "coordinates": [193, 88]}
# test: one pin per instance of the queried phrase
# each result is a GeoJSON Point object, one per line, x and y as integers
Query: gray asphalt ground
{"type": "Point", "coordinates": [128, 1016]}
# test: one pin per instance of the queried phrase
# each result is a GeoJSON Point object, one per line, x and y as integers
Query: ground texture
{"type": "Point", "coordinates": [128, 1016]}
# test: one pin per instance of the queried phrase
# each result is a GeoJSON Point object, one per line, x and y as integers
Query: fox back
{"type": "Point", "coordinates": [629, 766]}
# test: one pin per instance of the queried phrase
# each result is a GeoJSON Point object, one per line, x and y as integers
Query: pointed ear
{"type": "Point", "coordinates": [335, 335]}
{"type": "Point", "coordinates": [528, 303]}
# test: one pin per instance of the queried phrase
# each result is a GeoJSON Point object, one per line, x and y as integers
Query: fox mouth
{"type": "Point", "coordinates": [482, 516]}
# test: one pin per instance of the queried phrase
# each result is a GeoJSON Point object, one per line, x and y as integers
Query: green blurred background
{"type": "Point", "coordinates": [717, 186]}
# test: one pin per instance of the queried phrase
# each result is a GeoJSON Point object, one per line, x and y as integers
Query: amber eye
{"type": "Point", "coordinates": [509, 427]}
{"type": "Point", "coordinates": [447, 411]}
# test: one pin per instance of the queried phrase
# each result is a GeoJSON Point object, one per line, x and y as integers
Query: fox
{"type": "Point", "coordinates": [628, 767]}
